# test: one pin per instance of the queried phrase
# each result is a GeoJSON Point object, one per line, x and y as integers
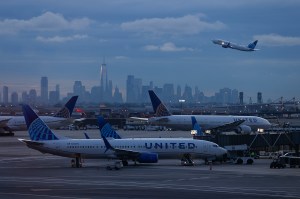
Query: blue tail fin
{"type": "Point", "coordinates": [106, 130]}
{"type": "Point", "coordinates": [37, 128]}
{"type": "Point", "coordinates": [196, 126]}
{"type": "Point", "coordinates": [158, 107]}
{"type": "Point", "coordinates": [67, 110]}
{"type": "Point", "coordinates": [252, 45]}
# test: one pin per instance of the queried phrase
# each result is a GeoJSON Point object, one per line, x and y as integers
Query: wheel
{"type": "Point", "coordinates": [239, 161]}
{"type": "Point", "coordinates": [249, 161]}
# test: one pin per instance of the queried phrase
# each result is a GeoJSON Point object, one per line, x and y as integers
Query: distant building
{"type": "Point", "coordinates": [259, 98]}
{"type": "Point", "coordinates": [134, 89]}
{"type": "Point", "coordinates": [14, 98]}
{"type": "Point", "coordinates": [32, 97]}
{"type": "Point", "coordinates": [241, 97]}
{"type": "Point", "coordinates": [5, 94]}
{"type": "Point", "coordinates": [44, 90]}
{"type": "Point", "coordinates": [117, 97]}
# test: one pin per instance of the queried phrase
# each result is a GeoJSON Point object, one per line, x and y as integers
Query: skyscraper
{"type": "Point", "coordinates": [44, 90]}
{"type": "Point", "coordinates": [14, 98]}
{"type": "Point", "coordinates": [5, 94]}
{"type": "Point", "coordinates": [103, 80]}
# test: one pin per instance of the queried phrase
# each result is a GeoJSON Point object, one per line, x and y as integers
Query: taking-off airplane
{"type": "Point", "coordinates": [227, 44]}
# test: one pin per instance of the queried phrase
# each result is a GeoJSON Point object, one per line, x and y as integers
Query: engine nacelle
{"type": "Point", "coordinates": [225, 44]}
{"type": "Point", "coordinates": [243, 129]}
{"type": "Point", "coordinates": [147, 158]}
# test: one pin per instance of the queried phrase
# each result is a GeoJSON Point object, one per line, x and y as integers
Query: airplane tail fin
{"type": "Point", "coordinates": [37, 128]}
{"type": "Point", "coordinates": [196, 126]}
{"type": "Point", "coordinates": [106, 130]}
{"type": "Point", "coordinates": [67, 110]}
{"type": "Point", "coordinates": [159, 108]}
{"type": "Point", "coordinates": [253, 44]}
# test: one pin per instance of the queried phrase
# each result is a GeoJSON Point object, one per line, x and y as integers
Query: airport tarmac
{"type": "Point", "coordinates": [26, 173]}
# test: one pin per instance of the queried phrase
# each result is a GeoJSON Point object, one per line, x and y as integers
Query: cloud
{"type": "Point", "coordinates": [277, 40]}
{"type": "Point", "coordinates": [186, 25]}
{"type": "Point", "coordinates": [48, 21]}
{"type": "Point", "coordinates": [59, 39]}
{"type": "Point", "coordinates": [166, 47]}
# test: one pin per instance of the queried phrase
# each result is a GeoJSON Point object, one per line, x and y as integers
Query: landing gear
{"type": "Point", "coordinates": [125, 163]}
{"type": "Point", "coordinates": [76, 163]}
{"type": "Point", "coordinates": [186, 160]}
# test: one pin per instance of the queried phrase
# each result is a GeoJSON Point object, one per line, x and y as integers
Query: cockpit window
{"type": "Point", "coordinates": [215, 145]}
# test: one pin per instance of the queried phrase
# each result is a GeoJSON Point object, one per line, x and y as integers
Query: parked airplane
{"type": "Point", "coordinates": [61, 118]}
{"type": "Point", "coordinates": [142, 150]}
{"type": "Point", "coordinates": [213, 123]}
{"type": "Point", "coordinates": [227, 44]}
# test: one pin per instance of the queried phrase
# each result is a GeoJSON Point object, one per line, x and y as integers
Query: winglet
{"type": "Point", "coordinates": [106, 130]}
{"type": "Point", "coordinates": [37, 128]}
{"type": "Point", "coordinates": [196, 126]}
{"type": "Point", "coordinates": [253, 44]}
{"type": "Point", "coordinates": [86, 135]}
{"type": "Point", "coordinates": [158, 107]}
{"type": "Point", "coordinates": [107, 144]}
{"type": "Point", "coordinates": [67, 110]}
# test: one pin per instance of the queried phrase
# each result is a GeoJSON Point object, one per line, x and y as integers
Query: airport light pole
{"type": "Point", "coordinates": [181, 101]}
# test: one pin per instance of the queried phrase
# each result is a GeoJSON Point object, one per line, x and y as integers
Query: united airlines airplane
{"type": "Point", "coordinates": [61, 118]}
{"type": "Point", "coordinates": [213, 123]}
{"type": "Point", "coordinates": [142, 150]}
{"type": "Point", "coordinates": [227, 44]}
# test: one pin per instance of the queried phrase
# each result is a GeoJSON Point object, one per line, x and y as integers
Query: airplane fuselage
{"type": "Point", "coordinates": [17, 123]}
{"type": "Point", "coordinates": [96, 149]}
{"type": "Point", "coordinates": [183, 122]}
{"type": "Point", "coordinates": [227, 44]}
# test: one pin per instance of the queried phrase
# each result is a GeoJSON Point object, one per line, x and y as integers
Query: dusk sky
{"type": "Point", "coordinates": [165, 41]}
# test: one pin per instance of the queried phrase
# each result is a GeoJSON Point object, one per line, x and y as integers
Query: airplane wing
{"type": "Point", "coordinates": [121, 153]}
{"type": "Point", "coordinates": [228, 126]}
{"type": "Point", "coordinates": [31, 142]}
{"type": "Point", "coordinates": [139, 118]}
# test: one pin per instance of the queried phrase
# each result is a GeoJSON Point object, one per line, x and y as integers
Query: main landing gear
{"type": "Point", "coordinates": [187, 160]}
{"type": "Point", "coordinates": [76, 163]}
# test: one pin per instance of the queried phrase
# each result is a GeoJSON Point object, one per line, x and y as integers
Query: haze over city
{"type": "Point", "coordinates": [159, 41]}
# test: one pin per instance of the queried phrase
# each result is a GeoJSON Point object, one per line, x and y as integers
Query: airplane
{"type": "Point", "coordinates": [212, 123]}
{"type": "Point", "coordinates": [227, 44]}
{"type": "Point", "coordinates": [61, 118]}
{"type": "Point", "coordinates": [142, 150]}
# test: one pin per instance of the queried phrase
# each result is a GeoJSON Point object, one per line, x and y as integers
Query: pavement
{"type": "Point", "coordinates": [26, 173]}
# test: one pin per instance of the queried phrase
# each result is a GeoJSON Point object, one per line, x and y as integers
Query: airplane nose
{"type": "Point", "coordinates": [214, 41]}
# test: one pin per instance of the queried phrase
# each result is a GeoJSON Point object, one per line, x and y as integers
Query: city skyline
{"type": "Point", "coordinates": [161, 41]}
{"type": "Point", "coordinates": [137, 92]}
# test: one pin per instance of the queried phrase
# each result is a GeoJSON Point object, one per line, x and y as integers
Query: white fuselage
{"type": "Point", "coordinates": [184, 122]}
{"type": "Point", "coordinates": [96, 149]}
{"type": "Point", "coordinates": [227, 44]}
{"type": "Point", "coordinates": [17, 123]}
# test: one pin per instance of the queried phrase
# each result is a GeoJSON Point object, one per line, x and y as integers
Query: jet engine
{"type": "Point", "coordinates": [147, 158]}
{"type": "Point", "coordinates": [243, 129]}
{"type": "Point", "coordinates": [225, 44]}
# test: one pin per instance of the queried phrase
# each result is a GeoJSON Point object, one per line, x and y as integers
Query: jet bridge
{"type": "Point", "coordinates": [254, 141]}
